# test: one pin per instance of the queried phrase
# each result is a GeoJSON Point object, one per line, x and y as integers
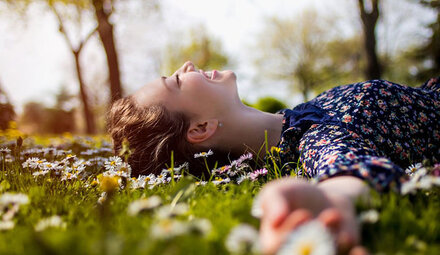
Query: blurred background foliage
{"type": "Point", "coordinates": [204, 51]}
{"type": "Point", "coordinates": [269, 104]}
{"type": "Point", "coordinates": [308, 52]}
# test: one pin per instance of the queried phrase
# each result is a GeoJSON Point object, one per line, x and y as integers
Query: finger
{"type": "Point", "coordinates": [272, 238]}
{"type": "Point", "coordinates": [275, 208]}
{"type": "Point", "coordinates": [358, 250]}
{"type": "Point", "coordinates": [345, 242]}
{"type": "Point", "coordinates": [332, 219]}
{"type": "Point", "coordinates": [295, 219]}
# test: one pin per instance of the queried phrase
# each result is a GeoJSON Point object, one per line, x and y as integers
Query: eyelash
{"type": "Point", "coordinates": [177, 80]}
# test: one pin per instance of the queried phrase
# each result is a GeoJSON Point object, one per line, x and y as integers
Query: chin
{"type": "Point", "coordinates": [230, 74]}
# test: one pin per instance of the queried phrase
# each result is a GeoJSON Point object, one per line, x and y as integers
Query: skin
{"type": "Point", "coordinates": [211, 100]}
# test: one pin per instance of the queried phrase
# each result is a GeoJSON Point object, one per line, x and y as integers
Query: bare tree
{"type": "Point", "coordinates": [103, 10]}
{"type": "Point", "coordinates": [369, 16]}
{"type": "Point", "coordinates": [76, 51]}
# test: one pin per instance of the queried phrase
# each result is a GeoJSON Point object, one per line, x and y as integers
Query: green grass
{"type": "Point", "coordinates": [407, 224]}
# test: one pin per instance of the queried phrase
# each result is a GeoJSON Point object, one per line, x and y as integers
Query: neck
{"type": "Point", "coordinates": [244, 130]}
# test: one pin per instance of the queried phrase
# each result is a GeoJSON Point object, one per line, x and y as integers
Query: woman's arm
{"type": "Point", "coordinates": [348, 186]}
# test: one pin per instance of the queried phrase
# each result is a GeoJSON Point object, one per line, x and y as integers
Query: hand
{"type": "Point", "coordinates": [288, 203]}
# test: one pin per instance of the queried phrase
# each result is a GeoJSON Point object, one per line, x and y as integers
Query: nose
{"type": "Point", "coordinates": [188, 67]}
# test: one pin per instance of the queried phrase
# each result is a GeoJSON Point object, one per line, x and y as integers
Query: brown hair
{"type": "Point", "coordinates": [152, 133]}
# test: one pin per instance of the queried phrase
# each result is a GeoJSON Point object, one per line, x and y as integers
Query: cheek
{"type": "Point", "coordinates": [198, 88]}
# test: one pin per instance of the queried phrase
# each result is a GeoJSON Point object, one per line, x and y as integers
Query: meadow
{"type": "Point", "coordinates": [71, 195]}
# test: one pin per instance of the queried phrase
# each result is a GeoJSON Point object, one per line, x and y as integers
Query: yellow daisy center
{"type": "Point", "coordinates": [306, 249]}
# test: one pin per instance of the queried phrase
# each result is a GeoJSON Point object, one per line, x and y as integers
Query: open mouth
{"type": "Point", "coordinates": [210, 74]}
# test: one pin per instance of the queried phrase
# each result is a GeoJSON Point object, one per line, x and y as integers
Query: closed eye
{"type": "Point", "coordinates": [177, 80]}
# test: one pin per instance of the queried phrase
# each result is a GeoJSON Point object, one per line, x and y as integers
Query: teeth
{"type": "Point", "coordinates": [208, 75]}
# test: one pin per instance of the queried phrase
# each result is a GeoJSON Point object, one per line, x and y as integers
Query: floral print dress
{"type": "Point", "coordinates": [372, 130]}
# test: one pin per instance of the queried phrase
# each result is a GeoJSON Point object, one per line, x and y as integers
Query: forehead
{"type": "Point", "coordinates": [151, 93]}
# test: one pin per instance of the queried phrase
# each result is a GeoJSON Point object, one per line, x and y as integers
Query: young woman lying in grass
{"type": "Point", "coordinates": [345, 137]}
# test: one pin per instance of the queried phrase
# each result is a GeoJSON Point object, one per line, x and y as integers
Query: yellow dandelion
{"type": "Point", "coordinates": [109, 183]}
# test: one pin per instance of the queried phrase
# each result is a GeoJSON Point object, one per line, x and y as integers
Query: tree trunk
{"type": "Point", "coordinates": [304, 88]}
{"type": "Point", "coordinates": [105, 30]}
{"type": "Point", "coordinates": [89, 116]}
{"type": "Point", "coordinates": [369, 21]}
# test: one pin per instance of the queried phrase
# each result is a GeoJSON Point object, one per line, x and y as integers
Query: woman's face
{"type": "Point", "coordinates": [193, 92]}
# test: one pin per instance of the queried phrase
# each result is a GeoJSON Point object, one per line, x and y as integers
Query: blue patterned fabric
{"type": "Point", "coordinates": [372, 130]}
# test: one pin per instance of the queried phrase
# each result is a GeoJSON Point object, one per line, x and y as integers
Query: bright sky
{"type": "Point", "coordinates": [35, 61]}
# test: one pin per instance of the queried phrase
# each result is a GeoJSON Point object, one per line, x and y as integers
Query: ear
{"type": "Point", "coordinates": [200, 131]}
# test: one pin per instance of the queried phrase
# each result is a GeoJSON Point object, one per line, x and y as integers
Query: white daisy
{"type": "Point", "coordinates": [149, 179]}
{"type": "Point", "coordinates": [200, 226]}
{"type": "Point", "coordinates": [9, 158]}
{"type": "Point", "coordinates": [13, 198]}
{"type": "Point", "coordinates": [370, 216]}
{"type": "Point", "coordinates": [161, 179]}
{"type": "Point", "coordinates": [241, 159]}
{"type": "Point", "coordinates": [81, 165]}
{"type": "Point", "coordinates": [89, 152]}
{"type": "Point", "coordinates": [70, 158]}
{"type": "Point", "coordinates": [102, 198]}
{"type": "Point", "coordinates": [10, 212]}
{"type": "Point", "coordinates": [4, 150]}
{"type": "Point", "coordinates": [201, 183]}
{"type": "Point", "coordinates": [408, 187]}
{"type": "Point", "coordinates": [6, 225]}
{"type": "Point", "coordinates": [51, 222]}
{"type": "Point", "coordinates": [124, 170]}
{"type": "Point", "coordinates": [413, 168]}
{"type": "Point", "coordinates": [221, 170]}
{"type": "Point", "coordinates": [47, 166]}
{"type": "Point", "coordinates": [143, 204]}
{"type": "Point", "coordinates": [142, 180]}
{"type": "Point", "coordinates": [242, 239]}
{"type": "Point", "coordinates": [69, 176]}
{"type": "Point", "coordinates": [105, 149]}
{"type": "Point", "coordinates": [257, 209]}
{"type": "Point", "coordinates": [33, 163]}
{"type": "Point", "coordinates": [257, 173]}
{"type": "Point", "coordinates": [169, 211]}
{"type": "Point", "coordinates": [63, 152]}
{"type": "Point", "coordinates": [312, 238]}
{"type": "Point", "coordinates": [40, 173]}
{"type": "Point", "coordinates": [168, 228]}
{"type": "Point", "coordinates": [419, 180]}
{"type": "Point", "coordinates": [176, 170]}
{"type": "Point", "coordinates": [203, 154]}
{"type": "Point", "coordinates": [218, 181]}
{"type": "Point", "coordinates": [49, 150]}
{"type": "Point", "coordinates": [242, 178]}
{"type": "Point", "coordinates": [113, 163]}
{"type": "Point", "coordinates": [428, 181]}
